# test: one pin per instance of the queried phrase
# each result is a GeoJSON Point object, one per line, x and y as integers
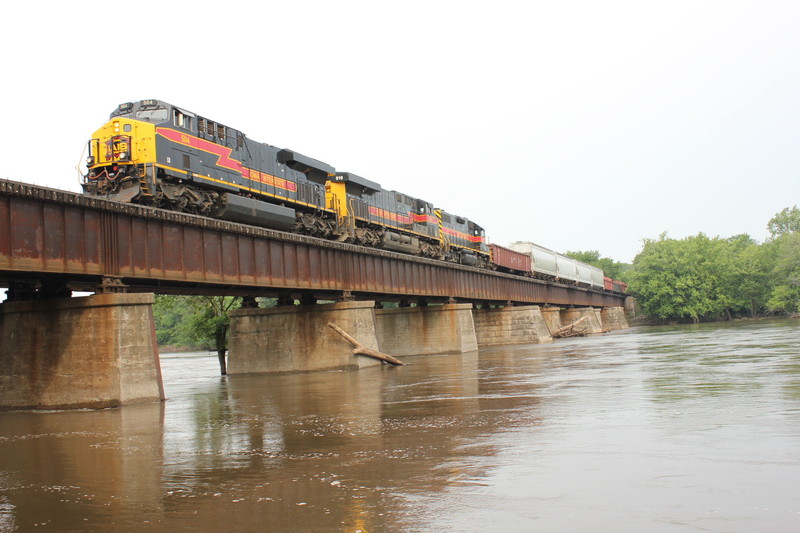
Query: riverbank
{"type": "Point", "coordinates": [178, 348]}
{"type": "Point", "coordinates": [646, 321]}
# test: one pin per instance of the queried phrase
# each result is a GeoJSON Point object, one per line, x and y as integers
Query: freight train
{"type": "Point", "coordinates": [160, 155]}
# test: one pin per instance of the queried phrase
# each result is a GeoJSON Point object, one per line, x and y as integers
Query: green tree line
{"type": "Point", "coordinates": [705, 278]}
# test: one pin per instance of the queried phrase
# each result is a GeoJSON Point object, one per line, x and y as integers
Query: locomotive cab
{"type": "Point", "coordinates": [157, 154]}
{"type": "Point", "coordinates": [477, 238]}
{"type": "Point", "coordinates": [122, 153]}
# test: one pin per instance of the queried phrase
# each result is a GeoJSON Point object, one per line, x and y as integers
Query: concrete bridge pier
{"type": "Point", "coordinates": [613, 318]}
{"type": "Point", "coordinates": [510, 325]}
{"type": "Point", "coordinates": [592, 315]}
{"type": "Point", "coordinates": [69, 353]}
{"type": "Point", "coordinates": [296, 338]}
{"type": "Point", "coordinates": [552, 317]}
{"type": "Point", "coordinates": [434, 329]}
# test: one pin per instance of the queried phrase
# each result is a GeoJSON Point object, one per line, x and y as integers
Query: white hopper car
{"type": "Point", "coordinates": [547, 264]}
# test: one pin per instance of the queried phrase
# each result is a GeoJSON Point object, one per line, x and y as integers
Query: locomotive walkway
{"type": "Point", "coordinates": [61, 352]}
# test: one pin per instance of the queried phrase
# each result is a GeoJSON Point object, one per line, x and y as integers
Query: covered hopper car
{"type": "Point", "coordinates": [550, 265]}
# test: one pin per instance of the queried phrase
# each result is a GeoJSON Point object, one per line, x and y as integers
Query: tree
{"type": "Point", "coordinates": [783, 252]}
{"type": "Point", "coordinates": [785, 222]}
{"type": "Point", "coordinates": [679, 278]}
{"type": "Point", "coordinates": [742, 271]}
{"type": "Point", "coordinates": [170, 314]}
{"type": "Point", "coordinates": [785, 257]}
{"type": "Point", "coordinates": [210, 322]}
{"type": "Point", "coordinates": [195, 321]}
{"type": "Point", "coordinates": [749, 279]}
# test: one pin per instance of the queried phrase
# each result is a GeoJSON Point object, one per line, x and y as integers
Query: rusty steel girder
{"type": "Point", "coordinates": [51, 233]}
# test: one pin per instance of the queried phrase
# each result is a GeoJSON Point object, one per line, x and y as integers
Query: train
{"type": "Point", "coordinates": [156, 154]}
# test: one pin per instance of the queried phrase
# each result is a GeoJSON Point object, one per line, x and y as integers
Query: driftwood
{"type": "Point", "coordinates": [569, 331]}
{"type": "Point", "coordinates": [360, 349]}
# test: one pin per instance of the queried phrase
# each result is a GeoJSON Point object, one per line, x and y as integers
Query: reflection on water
{"type": "Point", "coordinates": [652, 429]}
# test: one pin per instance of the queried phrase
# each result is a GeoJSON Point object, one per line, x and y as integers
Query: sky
{"type": "Point", "coordinates": [578, 125]}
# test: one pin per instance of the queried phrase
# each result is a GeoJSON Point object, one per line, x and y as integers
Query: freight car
{"type": "Point", "coordinates": [550, 265]}
{"type": "Point", "coordinates": [613, 285]}
{"type": "Point", "coordinates": [157, 154]}
{"type": "Point", "coordinates": [543, 260]}
{"type": "Point", "coordinates": [508, 260]}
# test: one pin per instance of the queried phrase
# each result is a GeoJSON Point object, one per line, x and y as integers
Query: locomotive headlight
{"type": "Point", "coordinates": [123, 155]}
{"type": "Point", "coordinates": [90, 160]}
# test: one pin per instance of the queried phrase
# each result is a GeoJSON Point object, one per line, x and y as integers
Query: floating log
{"type": "Point", "coordinates": [569, 330]}
{"type": "Point", "coordinates": [360, 349]}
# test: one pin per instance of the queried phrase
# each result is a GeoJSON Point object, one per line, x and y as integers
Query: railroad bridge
{"type": "Point", "coordinates": [100, 350]}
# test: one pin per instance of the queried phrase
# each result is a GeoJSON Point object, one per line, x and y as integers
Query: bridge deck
{"type": "Point", "coordinates": [64, 236]}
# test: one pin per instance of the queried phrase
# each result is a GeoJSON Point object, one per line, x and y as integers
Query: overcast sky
{"type": "Point", "coordinates": [585, 125]}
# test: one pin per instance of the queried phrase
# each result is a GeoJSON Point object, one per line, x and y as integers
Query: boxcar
{"type": "Point", "coordinates": [510, 259]}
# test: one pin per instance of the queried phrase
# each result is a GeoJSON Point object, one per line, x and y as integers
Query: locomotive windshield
{"type": "Point", "coordinates": [146, 110]}
{"type": "Point", "coordinates": [152, 115]}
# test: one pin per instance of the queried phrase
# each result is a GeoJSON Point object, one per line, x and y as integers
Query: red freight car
{"type": "Point", "coordinates": [509, 259]}
{"type": "Point", "coordinates": [608, 283]}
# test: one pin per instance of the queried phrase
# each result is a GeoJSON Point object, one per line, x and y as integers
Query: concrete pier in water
{"type": "Point", "coordinates": [510, 325]}
{"type": "Point", "coordinates": [297, 338]}
{"type": "Point", "coordinates": [591, 325]}
{"type": "Point", "coordinates": [436, 329]}
{"type": "Point", "coordinates": [552, 317]}
{"type": "Point", "coordinates": [69, 353]}
{"type": "Point", "coordinates": [613, 318]}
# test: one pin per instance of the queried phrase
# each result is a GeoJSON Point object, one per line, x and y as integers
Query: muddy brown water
{"type": "Point", "coordinates": [657, 429]}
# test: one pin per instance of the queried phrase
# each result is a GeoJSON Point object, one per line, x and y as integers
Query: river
{"type": "Point", "coordinates": [656, 429]}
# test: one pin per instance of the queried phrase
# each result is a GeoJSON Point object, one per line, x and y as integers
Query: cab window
{"type": "Point", "coordinates": [181, 119]}
{"type": "Point", "coordinates": [153, 115]}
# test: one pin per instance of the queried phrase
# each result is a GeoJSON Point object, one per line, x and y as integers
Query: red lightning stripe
{"type": "Point", "coordinates": [223, 152]}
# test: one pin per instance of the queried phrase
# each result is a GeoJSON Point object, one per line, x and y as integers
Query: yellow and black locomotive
{"type": "Point", "coordinates": [157, 154]}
